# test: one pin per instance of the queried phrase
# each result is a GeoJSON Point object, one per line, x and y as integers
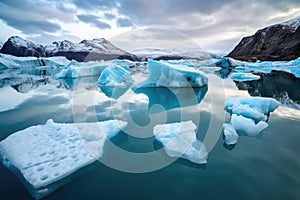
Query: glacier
{"type": "Point", "coordinates": [248, 116]}
{"type": "Point", "coordinates": [115, 75]}
{"type": "Point", "coordinates": [179, 140]}
{"type": "Point", "coordinates": [45, 154]}
{"type": "Point", "coordinates": [9, 61]}
{"type": "Point", "coordinates": [162, 74]}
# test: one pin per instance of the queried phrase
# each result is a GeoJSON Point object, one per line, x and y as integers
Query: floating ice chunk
{"type": "Point", "coordinates": [246, 125]}
{"type": "Point", "coordinates": [261, 104]}
{"type": "Point", "coordinates": [170, 75]}
{"type": "Point", "coordinates": [45, 154]}
{"type": "Point", "coordinates": [244, 77]}
{"type": "Point", "coordinates": [231, 136]}
{"type": "Point", "coordinates": [179, 140]}
{"type": "Point", "coordinates": [75, 69]}
{"type": "Point", "coordinates": [115, 75]}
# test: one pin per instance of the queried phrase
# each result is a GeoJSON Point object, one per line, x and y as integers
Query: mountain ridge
{"type": "Point", "coordinates": [86, 50]}
{"type": "Point", "coordinates": [276, 42]}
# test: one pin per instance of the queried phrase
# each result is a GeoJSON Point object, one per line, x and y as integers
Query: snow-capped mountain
{"type": "Point", "coordinates": [1, 44]}
{"type": "Point", "coordinates": [86, 50]}
{"type": "Point", "coordinates": [276, 42]}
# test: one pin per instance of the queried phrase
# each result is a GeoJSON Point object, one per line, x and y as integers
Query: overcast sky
{"type": "Point", "coordinates": [214, 25]}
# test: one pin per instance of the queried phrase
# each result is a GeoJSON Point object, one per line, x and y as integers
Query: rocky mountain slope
{"type": "Point", "coordinates": [86, 50]}
{"type": "Point", "coordinates": [276, 42]}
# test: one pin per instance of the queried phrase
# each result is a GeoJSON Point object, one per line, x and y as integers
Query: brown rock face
{"type": "Point", "coordinates": [277, 42]}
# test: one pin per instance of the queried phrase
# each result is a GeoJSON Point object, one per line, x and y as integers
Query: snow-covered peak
{"type": "Point", "coordinates": [98, 44]}
{"type": "Point", "coordinates": [293, 23]}
{"type": "Point", "coordinates": [18, 41]}
{"type": "Point", "coordinates": [64, 45]}
{"type": "Point", "coordinates": [1, 45]}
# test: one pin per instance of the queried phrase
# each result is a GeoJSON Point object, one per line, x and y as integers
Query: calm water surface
{"type": "Point", "coordinates": [262, 167]}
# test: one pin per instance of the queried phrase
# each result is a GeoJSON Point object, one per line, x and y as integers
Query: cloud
{"type": "Point", "coordinates": [93, 20]}
{"type": "Point", "coordinates": [216, 24]}
{"type": "Point", "coordinates": [47, 39]}
{"type": "Point", "coordinates": [95, 4]}
{"type": "Point", "coordinates": [32, 17]}
{"type": "Point", "coordinates": [109, 16]}
{"type": "Point", "coordinates": [124, 22]}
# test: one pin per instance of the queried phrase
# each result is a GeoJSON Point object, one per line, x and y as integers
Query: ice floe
{"type": "Point", "coordinates": [179, 140]}
{"type": "Point", "coordinates": [45, 154]}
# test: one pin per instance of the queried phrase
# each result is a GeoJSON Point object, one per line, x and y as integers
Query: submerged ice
{"type": "Point", "coordinates": [45, 154]}
{"type": "Point", "coordinates": [179, 140]}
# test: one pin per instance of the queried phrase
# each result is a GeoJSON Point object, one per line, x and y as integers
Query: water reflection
{"type": "Point", "coordinates": [282, 86]}
{"type": "Point", "coordinates": [170, 98]}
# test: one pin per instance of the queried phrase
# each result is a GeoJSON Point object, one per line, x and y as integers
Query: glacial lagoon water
{"type": "Point", "coordinates": [262, 167]}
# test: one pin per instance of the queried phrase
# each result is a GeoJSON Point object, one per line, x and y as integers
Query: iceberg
{"type": "Point", "coordinates": [248, 116]}
{"type": "Point", "coordinates": [115, 75]}
{"type": "Point", "coordinates": [244, 77]}
{"type": "Point", "coordinates": [162, 74]}
{"type": "Point", "coordinates": [45, 154]}
{"type": "Point", "coordinates": [247, 126]}
{"type": "Point", "coordinates": [179, 140]}
{"type": "Point", "coordinates": [231, 136]}
{"type": "Point", "coordinates": [75, 69]}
